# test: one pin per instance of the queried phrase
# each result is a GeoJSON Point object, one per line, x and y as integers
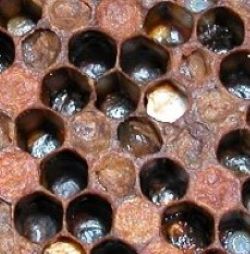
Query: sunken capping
{"type": "Point", "coordinates": [38, 217]}
{"type": "Point", "coordinates": [39, 132]}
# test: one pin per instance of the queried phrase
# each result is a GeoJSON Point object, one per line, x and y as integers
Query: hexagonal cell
{"type": "Point", "coordinates": [39, 132]}
{"type": "Point", "coordinates": [64, 246]}
{"type": "Point", "coordinates": [165, 102]}
{"type": "Point", "coordinates": [6, 131]}
{"type": "Point", "coordinates": [38, 217]}
{"type": "Point", "coordinates": [188, 227]}
{"type": "Point", "coordinates": [117, 97]}
{"type": "Point", "coordinates": [195, 66]}
{"type": "Point", "coordinates": [234, 232]}
{"type": "Point", "coordinates": [143, 60]}
{"type": "Point", "coordinates": [139, 136]}
{"type": "Point", "coordinates": [235, 74]}
{"type": "Point", "coordinates": [64, 173]}
{"type": "Point", "coordinates": [169, 24]}
{"type": "Point", "coordinates": [220, 30]}
{"type": "Point", "coordinates": [163, 180]}
{"type": "Point", "coordinates": [41, 49]}
{"type": "Point", "coordinates": [115, 174]}
{"type": "Point", "coordinates": [92, 52]}
{"type": "Point", "coordinates": [233, 151]}
{"type": "Point", "coordinates": [19, 16]}
{"type": "Point", "coordinates": [89, 218]}
{"type": "Point", "coordinates": [7, 51]}
{"type": "Point", "coordinates": [197, 6]}
{"type": "Point", "coordinates": [66, 91]}
{"type": "Point", "coordinates": [113, 247]}
{"type": "Point", "coordinates": [246, 194]}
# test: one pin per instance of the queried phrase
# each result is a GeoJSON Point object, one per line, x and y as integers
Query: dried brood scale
{"type": "Point", "coordinates": [124, 126]}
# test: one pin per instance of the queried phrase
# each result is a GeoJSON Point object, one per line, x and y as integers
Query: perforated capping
{"type": "Point", "coordinates": [124, 127]}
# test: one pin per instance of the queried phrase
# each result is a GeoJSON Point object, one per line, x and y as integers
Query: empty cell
{"type": "Point", "coordinates": [233, 151]}
{"type": "Point", "coordinates": [39, 132]}
{"type": "Point", "coordinates": [188, 227]}
{"type": "Point", "coordinates": [235, 74]}
{"type": "Point", "coordinates": [113, 247]}
{"type": "Point", "coordinates": [93, 52]}
{"type": "Point", "coordinates": [139, 136]}
{"type": "Point", "coordinates": [89, 218]}
{"type": "Point", "coordinates": [246, 194]}
{"type": "Point", "coordinates": [165, 102]}
{"type": "Point", "coordinates": [7, 52]}
{"type": "Point", "coordinates": [169, 24]}
{"type": "Point", "coordinates": [64, 173]}
{"type": "Point", "coordinates": [197, 6]}
{"type": "Point", "coordinates": [163, 180]}
{"type": "Point", "coordinates": [220, 30]}
{"type": "Point", "coordinates": [19, 16]}
{"type": "Point", "coordinates": [143, 60]}
{"type": "Point", "coordinates": [66, 91]}
{"type": "Point", "coordinates": [117, 97]}
{"type": "Point", "coordinates": [234, 232]}
{"type": "Point", "coordinates": [38, 218]}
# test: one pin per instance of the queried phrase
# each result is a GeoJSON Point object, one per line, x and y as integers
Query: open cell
{"type": "Point", "coordinates": [39, 132]}
{"type": "Point", "coordinates": [38, 218]}
{"type": "Point", "coordinates": [165, 102]}
{"type": "Point", "coordinates": [89, 218]}
{"type": "Point", "coordinates": [7, 51]}
{"type": "Point", "coordinates": [143, 60]}
{"type": "Point", "coordinates": [220, 30]}
{"type": "Point", "coordinates": [246, 194]}
{"type": "Point", "coordinates": [234, 232]}
{"type": "Point", "coordinates": [235, 74]}
{"type": "Point", "coordinates": [169, 24]}
{"type": "Point", "coordinates": [139, 136]}
{"type": "Point", "coordinates": [19, 16]}
{"type": "Point", "coordinates": [197, 6]}
{"type": "Point", "coordinates": [188, 227]}
{"type": "Point", "coordinates": [162, 180]}
{"type": "Point", "coordinates": [66, 91]}
{"type": "Point", "coordinates": [64, 173]}
{"type": "Point", "coordinates": [93, 53]}
{"type": "Point", "coordinates": [113, 247]}
{"type": "Point", "coordinates": [117, 97]}
{"type": "Point", "coordinates": [234, 151]}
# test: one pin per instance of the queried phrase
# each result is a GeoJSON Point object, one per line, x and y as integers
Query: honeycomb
{"type": "Point", "coordinates": [124, 127]}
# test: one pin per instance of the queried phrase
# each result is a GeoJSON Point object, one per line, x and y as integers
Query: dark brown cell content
{"type": "Point", "coordinates": [139, 137]}
{"type": "Point", "coordinates": [124, 127]}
